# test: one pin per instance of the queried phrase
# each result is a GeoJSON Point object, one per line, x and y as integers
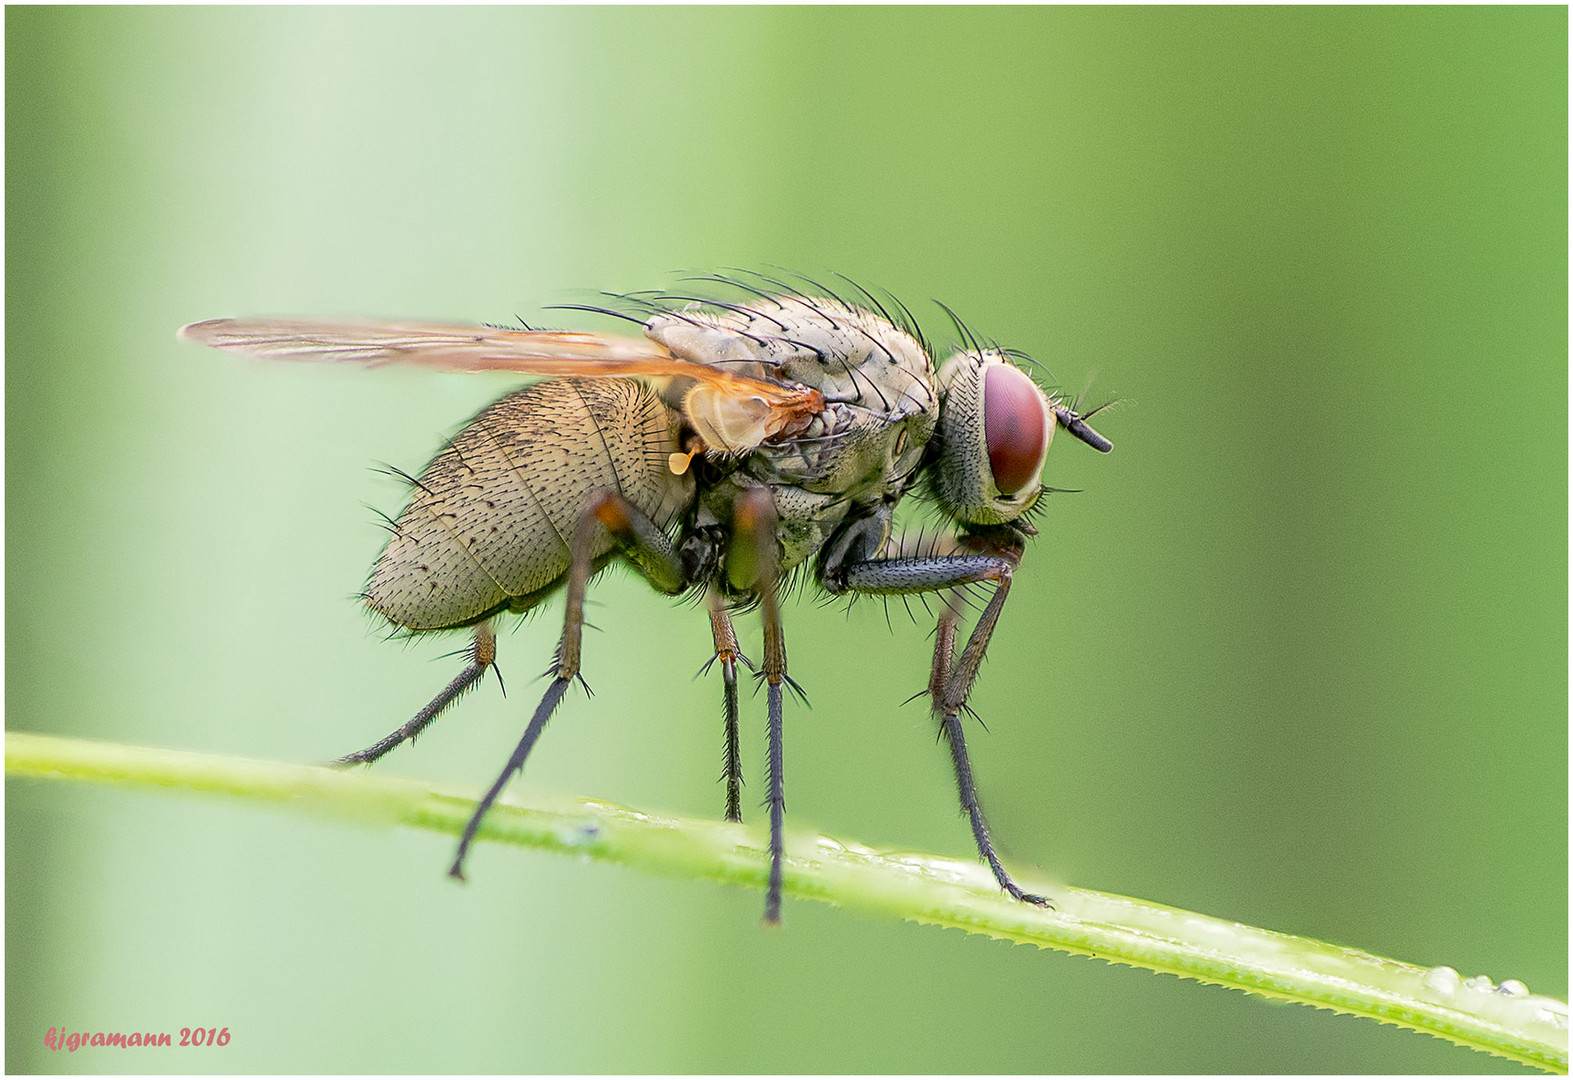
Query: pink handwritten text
{"type": "Point", "coordinates": [72, 1041]}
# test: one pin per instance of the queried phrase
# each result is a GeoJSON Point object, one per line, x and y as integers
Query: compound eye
{"type": "Point", "coordinates": [1016, 427]}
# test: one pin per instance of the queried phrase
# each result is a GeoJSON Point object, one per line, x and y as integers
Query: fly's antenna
{"type": "Point", "coordinates": [1076, 424]}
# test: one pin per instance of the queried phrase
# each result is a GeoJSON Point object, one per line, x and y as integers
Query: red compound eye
{"type": "Point", "coordinates": [1015, 427]}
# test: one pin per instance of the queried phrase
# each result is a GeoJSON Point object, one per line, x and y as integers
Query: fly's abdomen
{"type": "Point", "coordinates": [489, 522]}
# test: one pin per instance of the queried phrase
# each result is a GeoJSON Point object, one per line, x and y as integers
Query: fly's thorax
{"type": "Point", "coordinates": [994, 433]}
{"type": "Point", "coordinates": [847, 354]}
{"type": "Point", "coordinates": [882, 402]}
{"type": "Point", "coordinates": [846, 451]}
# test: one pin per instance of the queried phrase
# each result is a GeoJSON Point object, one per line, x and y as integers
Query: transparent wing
{"type": "Point", "coordinates": [731, 412]}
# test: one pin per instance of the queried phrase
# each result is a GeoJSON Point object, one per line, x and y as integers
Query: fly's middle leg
{"type": "Point", "coordinates": [753, 563]}
{"type": "Point", "coordinates": [483, 652]}
{"type": "Point", "coordinates": [728, 653]}
{"type": "Point", "coordinates": [643, 544]}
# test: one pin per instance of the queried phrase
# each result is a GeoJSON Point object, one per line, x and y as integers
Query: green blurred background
{"type": "Point", "coordinates": [1295, 656]}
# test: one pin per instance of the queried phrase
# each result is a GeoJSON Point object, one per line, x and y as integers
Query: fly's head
{"type": "Point", "coordinates": [994, 432]}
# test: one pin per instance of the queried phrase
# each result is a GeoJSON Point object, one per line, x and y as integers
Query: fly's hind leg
{"type": "Point", "coordinates": [641, 542]}
{"type": "Point", "coordinates": [993, 558]}
{"type": "Point", "coordinates": [483, 652]}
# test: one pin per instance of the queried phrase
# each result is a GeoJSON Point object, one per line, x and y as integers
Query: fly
{"type": "Point", "coordinates": [737, 442]}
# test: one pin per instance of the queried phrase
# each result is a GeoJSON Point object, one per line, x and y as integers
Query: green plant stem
{"type": "Point", "coordinates": [1506, 1021]}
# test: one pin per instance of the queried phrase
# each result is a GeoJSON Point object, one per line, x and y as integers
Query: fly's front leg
{"type": "Point", "coordinates": [944, 648]}
{"type": "Point", "coordinates": [753, 563]}
{"type": "Point", "coordinates": [639, 541]}
{"type": "Point", "coordinates": [728, 653]}
{"type": "Point", "coordinates": [948, 707]}
{"type": "Point", "coordinates": [950, 682]}
{"type": "Point", "coordinates": [483, 653]}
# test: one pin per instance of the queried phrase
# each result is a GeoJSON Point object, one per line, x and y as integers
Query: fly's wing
{"type": "Point", "coordinates": [732, 413]}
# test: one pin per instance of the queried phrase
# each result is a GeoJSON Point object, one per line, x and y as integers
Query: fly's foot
{"type": "Point", "coordinates": [1029, 898]}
